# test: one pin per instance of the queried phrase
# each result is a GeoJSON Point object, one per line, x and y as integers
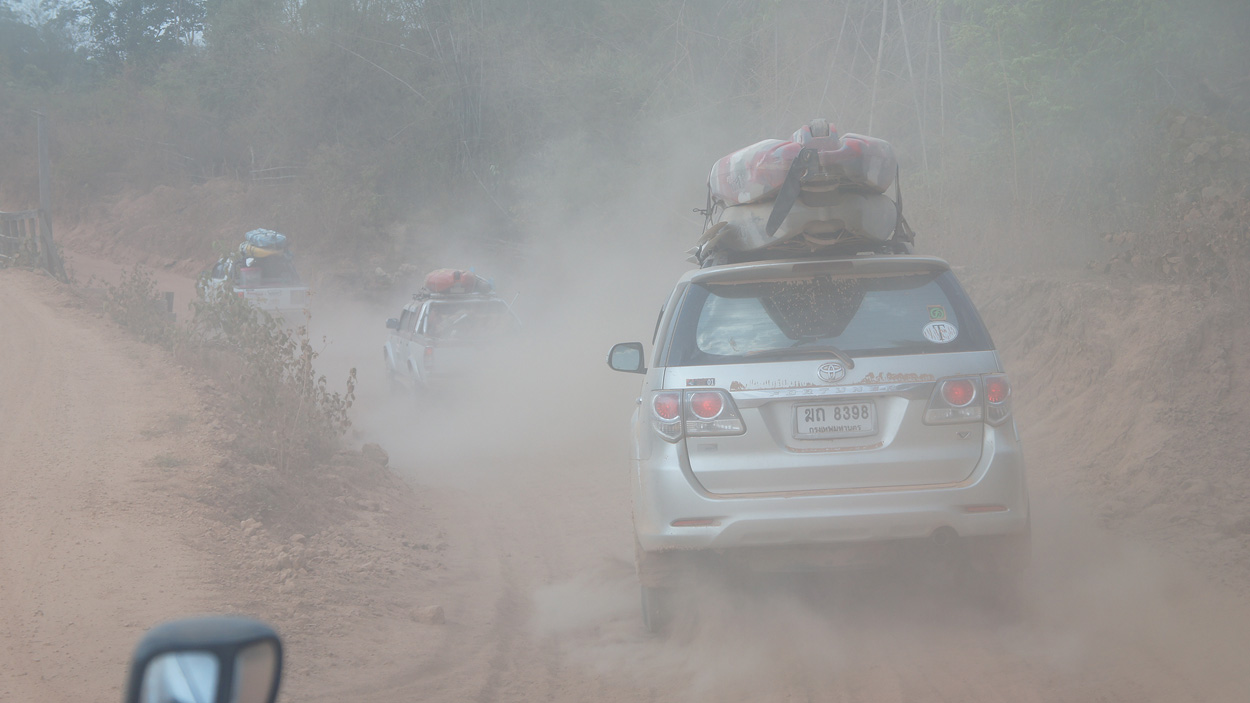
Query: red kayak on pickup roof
{"type": "Point", "coordinates": [443, 281]}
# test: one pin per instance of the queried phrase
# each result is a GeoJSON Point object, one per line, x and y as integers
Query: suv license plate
{"type": "Point", "coordinates": [835, 420]}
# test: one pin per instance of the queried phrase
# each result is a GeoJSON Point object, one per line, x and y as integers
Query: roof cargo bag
{"type": "Point", "coordinates": [265, 239]}
{"type": "Point", "coordinates": [253, 251]}
{"type": "Point", "coordinates": [757, 172]}
{"type": "Point", "coordinates": [818, 193]}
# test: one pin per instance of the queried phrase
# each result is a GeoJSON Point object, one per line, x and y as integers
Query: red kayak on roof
{"type": "Point", "coordinates": [456, 281]}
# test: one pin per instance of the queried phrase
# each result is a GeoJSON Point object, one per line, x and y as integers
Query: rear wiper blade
{"type": "Point", "coordinates": [818, 350]}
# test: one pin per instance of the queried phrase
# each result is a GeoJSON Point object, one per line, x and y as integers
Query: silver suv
{"type": "Point", "coordinates": [817, 414]}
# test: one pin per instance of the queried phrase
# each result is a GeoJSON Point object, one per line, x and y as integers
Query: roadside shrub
{"type": "Point", "coordinates": [285, 412]}
{"type": "Point", "coordinates": [135, 304]}
{"type": "Point", "coordinates": [282, 412]}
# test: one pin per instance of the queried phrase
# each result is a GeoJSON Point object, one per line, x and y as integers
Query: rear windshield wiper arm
{"type": "Point", "coordinates": [820, 350]}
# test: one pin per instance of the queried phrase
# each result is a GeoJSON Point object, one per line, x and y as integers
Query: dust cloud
{"type": "Point", "coordinates": [529, 459]}
{"type": "Point", "coordinates": [1129, 392]}
{"type": "Point", "coordinates": [1101, 615]}
{"type": "Point", "coordinates": [584, 278]}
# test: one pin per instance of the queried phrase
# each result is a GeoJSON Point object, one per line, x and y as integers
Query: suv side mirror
{"type": "Point", "coordinates": [392, 323]}
{"type": "Point", "coordinates": [627, 357]}
{"type": "Point", "coordinates": [206, 659]}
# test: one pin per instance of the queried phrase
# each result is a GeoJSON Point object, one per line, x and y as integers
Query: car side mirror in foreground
{"type": "Point", "coordinates": [206, 660]}
{"type": "Point", "coordinates": [392, 323]}
{"type": "Point", "coordinates": [627, 357]}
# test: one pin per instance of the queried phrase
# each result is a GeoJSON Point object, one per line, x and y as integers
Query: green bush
{"type": "Point", "coordinates": [135, 304]}
{"type": "Point", "coordinates": [286, 413]}
{"type": "Point", "coordinates": [282, 411]}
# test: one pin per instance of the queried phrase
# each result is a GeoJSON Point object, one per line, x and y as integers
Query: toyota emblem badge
{"type": "Point", "coordinates": [832, 372]}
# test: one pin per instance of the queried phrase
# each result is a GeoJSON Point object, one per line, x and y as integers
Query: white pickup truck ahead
{"type": "Point", "coordinates": [439, 339]}
{"type": "Point", "coordinates": [269, 283]}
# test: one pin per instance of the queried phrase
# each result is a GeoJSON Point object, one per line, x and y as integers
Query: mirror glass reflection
{"type": "Point", "coordinates": [626, 358]}
{"type": "Point", "coordinates": [180, 677]}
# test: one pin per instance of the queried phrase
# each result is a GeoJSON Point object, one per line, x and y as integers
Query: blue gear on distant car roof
{"type": "Point", "coordinates": [266, 239]}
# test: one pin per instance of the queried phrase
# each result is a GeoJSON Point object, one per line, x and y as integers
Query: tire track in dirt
{"type": "Point", "coordinates": [539, 593]}
{"type": "Point", "coordinates": [500, 516]}
{"type": "Point", "coordinates": [1107, 619]}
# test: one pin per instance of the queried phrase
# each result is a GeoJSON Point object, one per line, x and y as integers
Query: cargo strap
{"type": "Point", "coordinates": [707, 212]}
{"type": "Point", "coordinates": [790, 188]}
{"type": "Point", "coordinates": [903, 237]}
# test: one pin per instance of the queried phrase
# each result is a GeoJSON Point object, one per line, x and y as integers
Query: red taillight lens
{"type": "Point", "coordinates": [667, 405]}
{"type": "Point", "coordinates": [706, 406]}
{"type": "Point", "coordinates": [959, 392]}
{"type": "Point", "coordinates": [998, 398]}
{"type": "Point", "coordinates": [701, 413]}
{"type": "Point", "coordinates": [997, 389]}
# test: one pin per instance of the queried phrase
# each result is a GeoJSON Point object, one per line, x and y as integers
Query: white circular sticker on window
{"type": "Point", "coordinates": [940, 332]}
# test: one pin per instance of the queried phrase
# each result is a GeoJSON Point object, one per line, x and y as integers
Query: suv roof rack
{"type": "Point", "coordinates": [426, 294]}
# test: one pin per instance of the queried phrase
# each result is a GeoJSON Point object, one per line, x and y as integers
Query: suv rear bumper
{"type": "Point", "coordinates": [993, 500]}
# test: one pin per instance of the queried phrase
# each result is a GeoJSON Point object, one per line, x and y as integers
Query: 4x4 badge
{"type": "Point", "coordinates": [831, 372]}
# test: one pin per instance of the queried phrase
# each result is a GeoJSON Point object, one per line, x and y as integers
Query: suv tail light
{"type": "Point", "coordinates": [706, 405]}
{"type": "Point", "coordinates": [711, 412]}
{"type": "Point", "coordinates": [959, 392]}
{"type": "Point", "coordinates": [666, 414]}
{"type": "Point", "coordinates": [700, 413]}
{"type": "Point", "coordinates": [970, 399]}
{"type": "Point", "coordinates": [997, 398]}
{"type": "Point", "coordinates": [667, 406]}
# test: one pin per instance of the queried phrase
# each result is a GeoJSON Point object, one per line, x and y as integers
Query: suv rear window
{"type": "Point", "coordinates": [861, 315]}
{"type": "Point", "coordinates": [468, 320]}
{"type": "Point", "coordinates": [271, 271]}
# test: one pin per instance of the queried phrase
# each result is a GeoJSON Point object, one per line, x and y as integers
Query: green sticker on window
{"type": "Point", "coordinates": [937, 313]}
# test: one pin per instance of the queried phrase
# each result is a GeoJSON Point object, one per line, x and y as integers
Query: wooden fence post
{"type": "Point", "coordinates": [51, 258]}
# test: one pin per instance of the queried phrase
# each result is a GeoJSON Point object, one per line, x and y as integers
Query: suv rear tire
{"type": "Point", "coordinates": [659, 575]}
{"type": "Point", "coordinates": [999, 574]}
{"type": "Point", "coordinates": [657, 609]}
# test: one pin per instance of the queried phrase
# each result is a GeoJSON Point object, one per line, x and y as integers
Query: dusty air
{"type": "Point", "coordinates": [709, 350]}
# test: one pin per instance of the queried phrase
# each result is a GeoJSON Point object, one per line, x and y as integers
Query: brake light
{"type": "Point", "coordinates": [706, 405]}
{"type": "Point", "coordinates": [952, 402]}
{"type": "Point", "coordinates": [695, 413]}
{"type": "Point", "coordinates": [957, 400]}
{"type": "Point", "coordinates": [997, 398]}
{"type": "Point", "coordinates": [712, 412]}
{"type": "Point", "coordinates": [666, 415]}
{"type": "Point", "coordinates": [997, 390]}
{"type": "Point", "coordinates": [667, 406]}
{"type": "Point", "coordinates": [958, 392]}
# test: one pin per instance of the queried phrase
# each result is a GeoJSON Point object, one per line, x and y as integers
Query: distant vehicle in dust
{"type": "Point", "coordinates": [262, 272]}
{"type": "Point", "coordinates": [446, 331]}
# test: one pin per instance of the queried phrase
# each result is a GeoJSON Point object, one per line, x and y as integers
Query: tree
{"type": "Point", "coordinates": [39, 45]}
{"type": "Point", "coordinates": [144, 32]}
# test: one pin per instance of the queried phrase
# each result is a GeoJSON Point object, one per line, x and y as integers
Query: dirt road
{"type": "Point", "coordinates": [95, 433]}
{"type": "Point", "coordinates": [517, 524]}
